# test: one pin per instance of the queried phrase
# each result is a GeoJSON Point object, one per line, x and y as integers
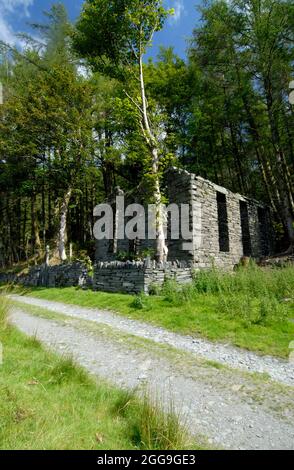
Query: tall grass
{"type": "Point", "coordinates": [156, 429]}
{"type": "Point", "coordinates": [151, 426]}
{"type": "Point", "coordinates": [253, 281]}
{"type": "Point", "coordinates": [256, 295]}
{"type": "Point", "coordinates": [66, 370]}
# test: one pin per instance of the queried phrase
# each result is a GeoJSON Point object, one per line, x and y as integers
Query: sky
{"type": "Point", "coordinates": [15, 16]}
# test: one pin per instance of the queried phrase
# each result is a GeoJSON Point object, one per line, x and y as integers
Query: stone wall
{"type": "Point", "coordinates": [8, 278]}
{"type": "Point", "coordinates": [218, 215]}
{"type": "Point", "coordinates": [64, 275]}
{"type": "Point", "coordinates": [136, 277]}
{"type": "Point", "coordinates": [129, 277]}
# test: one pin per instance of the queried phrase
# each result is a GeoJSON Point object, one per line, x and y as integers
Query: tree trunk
{"type": "Point", "coordinates": [237, 158]}
{"type": "Point", "coordinates": [24, 226]}
{"type": "Point", "coordinates": [161, 247]}
{"type": "Point", "coordinates": [283, 168]}
{"type": "Point", "coordinates": [62, 234]}
{"type": "Point", "coordinates": [36, 242]}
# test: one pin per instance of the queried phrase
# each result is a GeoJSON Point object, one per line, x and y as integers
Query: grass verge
{"type": "Point", "coordinates": [48, 402]}
{"type": "Point", "coordinates": [251, 308]}
{"type": "Point", "coordinates": [276, 398]}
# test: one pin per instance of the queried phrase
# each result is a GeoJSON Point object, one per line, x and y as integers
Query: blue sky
{"type": "Point", "coordinates": [16, 14]}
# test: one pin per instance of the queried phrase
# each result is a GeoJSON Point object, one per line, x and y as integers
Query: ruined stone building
{"type": "Point", "coordinates": [224, 226]}
{"type": "Point", "coordinates": [229, 225]}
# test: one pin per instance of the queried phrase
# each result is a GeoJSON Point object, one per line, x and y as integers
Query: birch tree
{"type": "Point", "coordinates": [113, 36]}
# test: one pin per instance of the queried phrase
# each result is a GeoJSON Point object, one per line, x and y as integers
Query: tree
{"type": "Point", "coordinates": [244, 52]}
{"type": "Point", "coordinates": [113, 35]}
{"type": "Point", "coordinates": [68, 98]}
{"type": "Point", "coordinates": [46, 136]}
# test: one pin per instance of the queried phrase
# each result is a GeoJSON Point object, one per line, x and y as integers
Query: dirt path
{"type": "Point", "coordinates": [278, 369]}
{"type": "Point", "coordinates": [233, 409]}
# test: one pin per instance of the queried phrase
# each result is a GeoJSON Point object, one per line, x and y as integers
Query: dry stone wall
{"type": "Point", "coordinates": [64, 275]}
{"type": "Point", "coordinates": [135, 277]}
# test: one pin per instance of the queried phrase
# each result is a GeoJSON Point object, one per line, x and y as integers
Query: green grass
{"type": "Point", "coordinates": [48, 402]}
{"type": "Point", "coordinates": [4, 306]}
{"type": "Point", "coordinates": [250, 308]}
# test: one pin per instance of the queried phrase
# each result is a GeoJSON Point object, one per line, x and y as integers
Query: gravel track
{"type": "Point", "coordinates": [205, 400]}
{"type": "Point", "coordinates": [279, 370]}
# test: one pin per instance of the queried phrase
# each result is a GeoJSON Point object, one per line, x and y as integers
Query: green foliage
{"type": "Point", "coordinates": [130, 256]}
{"type": "Point", "coordinates": [140, 302]}
{"type": "Point", "coordinates": [46, 139]}
{"type": "Point", "coordinates": [65, 371]}
{"type": "Point", "coordinates": [125, 256]}
{"type": "Point", "coordinates": [113, 37]}
{"type": "Point", "coordinates": [223, 113]}
{"type": "Point", "coordinates": [207, 282]}
{"type": "Point", "coordinates": [152, 428]}
{"type": "Point", "coordinates": [85, 258]}
{"type": "Point", "coordinates": [240, 62]}
{"type": "Point", "coordinates": [252, 281]}
{"type": "Point", "coordinates": [171, 290]}
{"type": "Point", "coordinates": [252, 294]}
{"type": "Point", "coordinates": [112, 34]}
{"type": "Point", "coordinates": [154, 289]}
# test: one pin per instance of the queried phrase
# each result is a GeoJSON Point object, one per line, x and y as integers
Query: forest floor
{"type": "Point", "coordinates": [238, 399]}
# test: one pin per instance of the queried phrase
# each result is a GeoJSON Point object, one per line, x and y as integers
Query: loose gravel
{"type": "Point", "coordinates": [279, 370]}
{"type": "Point", "coordinates": [206, 402]}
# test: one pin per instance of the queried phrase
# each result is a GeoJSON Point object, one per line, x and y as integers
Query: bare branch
{"type": "Point", "coordinates": [134, 102]}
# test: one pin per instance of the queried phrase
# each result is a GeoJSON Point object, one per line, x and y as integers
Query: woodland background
{"type": "Point", "coordinates": [69, 134]}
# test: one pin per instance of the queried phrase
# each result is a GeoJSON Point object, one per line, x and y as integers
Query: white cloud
{"type": "Point", "coordinates": [11, 5]}
{"type": "Point", "coordinates": [179, 9]}
{"type": "Point", "coordinates": [6, 33]}
{"type": "Point", "coordinates": [8, 7]}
